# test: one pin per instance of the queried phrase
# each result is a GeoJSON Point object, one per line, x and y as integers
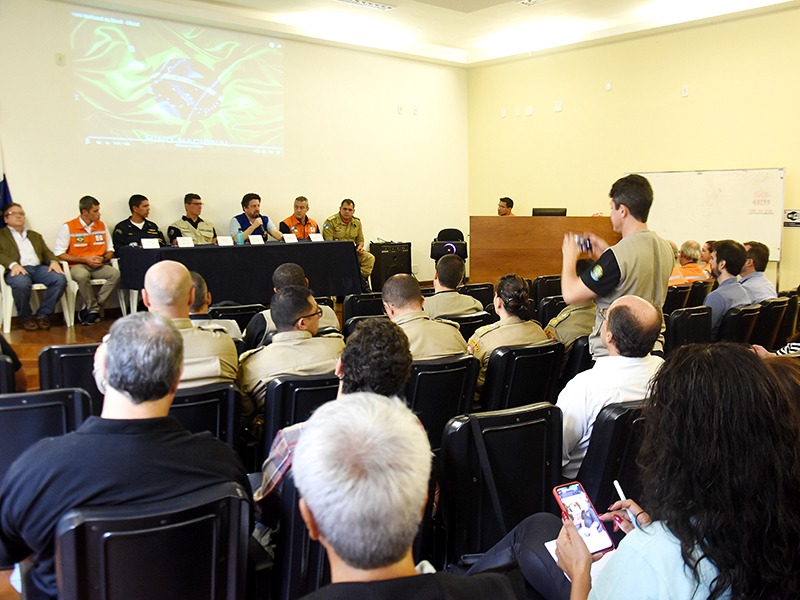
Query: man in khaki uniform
{"type": "Point", "coordinates": [344, 226]}
{"type": "Point", "coordinates": [447, 301]}
{"type": "Point", "coordinates": [209, 352]}
{"type": "Point", "coordinates": [574, 321]}
{"type": "Point", "coordinates": [191, 225]}
{"type": "Point", "coordinates": [402, 300]}
{"type": "Point", "coordinates": [294, 349]}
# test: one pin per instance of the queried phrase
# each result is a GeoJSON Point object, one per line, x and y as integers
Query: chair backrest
{"type": "Point", "coordinates": [482, 292]}
{"type": "Point", "coordinates": [521, 375]}
{"type": "Point", "coordinates": [241, 313]}
{"type": "Point", "coordinates": [469, 324]}
{"type": "Point", "coordinates": [738, 324]}
{"type": "Point", "coordinates": [70, 366]}
{"type": "Point", "coordinates": [579, 360]}
{"type": "Point", "coordinates": [690, 325]}
{"type": "Point", "coordinates": [450, 235]}
{"type": "Point", "coordinates": [698, 292]}
{"type": "Point", "coordinates": [788, 324]}
{"type": "Point", "coordinates": [549, 307]}
{"type": "Point", "coordinates": [193, 546]}
{"type": "Point", "coordinates": [615, 442]}
{"type": "Point", "coordinates": [769, 321]}
{"type": "Point", "coordinates": [301, 565]}
{"type": "Point", "coordinates": [324, 301]}
{"type": "Point", "coordinates": [361, 305]}
{"type": "Point", "coordinates": [28, 417]}
{"type": "Point", "coordinates": [544, 286]}
{"type": "Point", "coordinates": [677, 297]}
{"type": "Point", "coordinates": [7, 382]}
{"type": "Point", "coordinates": [441, 389]}
{"type": "Point", "coordinates": [497, 468]}
{"type": "Point", "coordinates": [292, 399]}
{"type": "Point", "coordinates": [213, 407]}
{"type": "Point", "coordinates": [351, 323]}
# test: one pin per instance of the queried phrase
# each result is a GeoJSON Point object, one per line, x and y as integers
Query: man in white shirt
{"type": "Point", "coordinates": [629, 331]}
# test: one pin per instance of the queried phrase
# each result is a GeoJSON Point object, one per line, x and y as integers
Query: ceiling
{"type": "Point", "coordinates": [461, 32]}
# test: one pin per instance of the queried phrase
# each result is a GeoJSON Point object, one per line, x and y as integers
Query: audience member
{"type": "Point", "coordinates": [85, 244]}
{"type": "Point", "coordinates": [28, 260]}
{"type": "Point", "coordinates": [447, 301]}
{"type": "Point", "coordinates": [209, 355]}
{"type": "Point", "coordinates": [629, 331]}
{"type": "Point", "coordinates": [705, 257]}
{"type": "Point", "coordinates": [299, 223]}
{"type": "Point", "coordinates": [191, 225]}
{"type": "Point", "coordinates": [344, 226]}
{"type": "Point", "coordinates": [574, 321]}
{"type": "Point", "coordinates": [402, 300]}
{"type": "Point", "coordinates": [719, 474]}
{"type": "Point", "coordinates": [639, 264]}
{"type": "Point", "coordinates": [676, 277]}
{"type": "Point", "coordinates": [294, 349]}
{"type": "Point", "coordinates": [511, 302]}
{"type": "Point", "coordinates": [261, 325]}
{"type": "Point", "coordinates": [504, 207]}
{"type": "Point", "coordinates": [133, 453]}
{"type": "Point", "coordinates": [134, 229]}
{"type": "Point", "coordinates": [792, 348]}
{"type": "Point", "coordinates": [198, 311]}
{"type": "Point", "coordinates": [689, 254]}
{"type": "Point", "coordinates": [252, 222]}
{"type": "Point", "coordinates": [753, 279]}
{"type": "Point", "coordinates": [727, 259]}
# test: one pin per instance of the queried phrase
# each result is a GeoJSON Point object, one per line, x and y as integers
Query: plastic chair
{"type": "Point", "coordinates": [351, 323]}
{"type": "Point", "coordinates": [469, 324]}
{"type": "Point", "coordinates": [788, 324]}
{"type": "Point", "coordinates": [690, 325]}
{"type": "Point", "coordinates": [542, 287]}
{"type": "Point", "coordinates": [71, 293]}
{"type": "Point", "coordinates": [449, 235]}
{"type": "Point", "coordinates": [677, 297]}
{"type": "Point", "coordinates": [362, 305]}
{"type": "Point", "coordinates": [214, 408]}
{"type": "Point", "coordinates": [482, 292]}
{"type": "Point", "coordinates": [698, 292]}
{"type": "Point", "coordinates": [70, 366]}
{"type": "Point", "coordinates": [769, 322]}
{"type": "Point", "coordinates": [241, 313]}
{"type": "Point", "coordinates": [521, 375]}
{"type": "Point", "coordinates": [549, 308]}
{"type": "Point", "coordinates": [738, 324]}
{"type": "Point", "coordinates": [193, 546]}
{"type": "Point", "coordinates": [579, 360]}
{"type": "Point", "coordinates": [8, 302]}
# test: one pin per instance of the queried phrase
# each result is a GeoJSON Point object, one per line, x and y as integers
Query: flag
{"type": "Point", "coordinates": [5, 193]}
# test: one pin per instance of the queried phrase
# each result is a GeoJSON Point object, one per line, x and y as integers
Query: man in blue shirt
{"type": "Point", "coordinates": [753, 280]}
{"type": "Point", "coordinates": [727, 260]}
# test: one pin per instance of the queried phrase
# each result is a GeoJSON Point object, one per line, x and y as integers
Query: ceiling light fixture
{"type": "Point", "coordinates": [368, 4]}
{"type": "Point", "coordinates": [530, 2]}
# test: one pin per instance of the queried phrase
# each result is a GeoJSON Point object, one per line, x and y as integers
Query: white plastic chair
{"type": "Point", "coordinates": [72, 288]}
{"type": "Point", "coordinates": [8, 301]}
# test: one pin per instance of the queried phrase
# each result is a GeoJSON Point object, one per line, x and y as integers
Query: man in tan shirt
{"type": "Point", "coordinates": [447, 301]}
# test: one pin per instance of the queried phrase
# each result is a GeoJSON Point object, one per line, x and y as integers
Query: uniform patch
{"type": "Point", "coordinates": [79, 238]}
{"type": "Point", "coordinates": [596, 272]}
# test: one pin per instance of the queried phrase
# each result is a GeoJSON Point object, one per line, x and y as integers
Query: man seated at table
{"type": "Point", "coordinates": [191, 225]}
{"type": "Point", "coordinates": [131, 231]}
{"type": "Point", "coordinates": [198, 311]}
{"type": "Point", "coordinates": [447, 301]}
{"type": "Point", "coordinates": [84, 242]}
{"type": "Point", "coordinates": [252, 222]}
{"type": "Point", "coordinates": [261, 325]}
{"type": "Point", "coordinates": [344, 226]}
{"type": "Point", "coordinates": [28, 260]}
{"type": "Point", "coordinates": [504, 207]}
{"type": "Point", "coordinates": [402, 300]}
{"type": "Point", "coordinates": [299, 223]}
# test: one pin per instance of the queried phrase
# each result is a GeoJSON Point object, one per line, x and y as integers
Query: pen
{"type": "Point", "coordinates": [621, 494]}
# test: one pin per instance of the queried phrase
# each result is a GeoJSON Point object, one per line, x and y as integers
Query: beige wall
{"type": "Point", "coordinates": [742, 111]}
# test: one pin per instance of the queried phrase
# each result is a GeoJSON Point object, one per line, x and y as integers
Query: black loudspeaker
{"type": "Point", "coordinates": [391, 258]}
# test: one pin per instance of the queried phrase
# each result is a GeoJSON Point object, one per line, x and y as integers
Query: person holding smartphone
{"type": "Point", "coordinates": [719, 474]}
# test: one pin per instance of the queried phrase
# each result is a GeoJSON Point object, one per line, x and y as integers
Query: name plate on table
{"type": "Point", "coordinates": [256, 240]}
{"type": "Point", "coordinates": [150, 243]}
{"type": "Point", "coordinates": [290, 238]}
{"type": "Point", "coordinates": [185, 242]}
{"type": "Point", "coordinates": [316, 237]}
{"type": "Point", "coordinates": [224, 240]}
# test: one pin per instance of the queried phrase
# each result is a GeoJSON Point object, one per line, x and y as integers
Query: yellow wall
{"type": "Point", "coordinates": [742, 111]}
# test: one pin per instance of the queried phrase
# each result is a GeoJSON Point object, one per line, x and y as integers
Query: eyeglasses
{"type": "Point", "coordinates": [316, 313]}
{"type": "Point", "coordinates": [14, 214]}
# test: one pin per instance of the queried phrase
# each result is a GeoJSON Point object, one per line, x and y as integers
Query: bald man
{"type": "Point", "coordinates": [630, 330]}
{"type": "Point", "coordinates": [209, 352]}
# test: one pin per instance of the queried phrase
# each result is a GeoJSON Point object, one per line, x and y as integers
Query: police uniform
{"type": "Point", "coordinates": [450, 302]}
{"type": "Point", "coordinates": [261, 325]}
{"type": "Point", "coordinates": [571, 323]}
{"type": "Point", "coordinates": [127, 233]}
{"type": "Point", "coordinates": [209, 354]}
{"type": "Point", "coordinates": [428, 338]}
{"type": "Point", "coordinates": [202, 232]}
{"type": "Point", "coordinates": [511, 331]}
{"type": "Point", "coordinates": [335, 228]}
{"type": "Point", "coordinates": [290, 353]}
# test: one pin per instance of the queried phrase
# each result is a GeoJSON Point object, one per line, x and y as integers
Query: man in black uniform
{"type": "Point", "coordinates": [131, 231]}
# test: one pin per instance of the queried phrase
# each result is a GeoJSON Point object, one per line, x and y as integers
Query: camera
{"type": "Point", "coordinates": [584, 243]}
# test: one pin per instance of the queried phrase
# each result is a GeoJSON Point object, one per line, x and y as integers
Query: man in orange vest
{"type": "Point", "coordinates": [84, 242]}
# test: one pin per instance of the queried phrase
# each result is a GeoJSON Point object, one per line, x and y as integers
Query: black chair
{"type": "Point", "coordinates": [542, 287]}
{"type": "Point", "coordinates": [497, 468]}
{"type": "Point", "coordinates": [324, 301]}
{"type": "Point", "coordinates": [28, 417]}
{"type": "Point", "coordinates": [690, 325]}
{"type": "Point", "coordinates": [427, 292]}
{"type": "Point", "coordinates": [441, 389]}
{"type": "Point", "coordinates": [351, 323]}
{"type": "Point", "coordinates": [698, 292]}
{"type": "Point", "coordinates": [788, 326]}
{"type": "Point", "coordinates": [769, 322]}
{"type": "Point", "coordinates": [579, 360]}
{"type": "Point", "coordinates": [738, 324]}
{"type": "Point", "coordinates": [241, 313]}
{"type": "Point", "coordinates": [677, 297]}
{"type": "Point", "coordinates": [549, 308]}
{"type": "Point", "coordinates": [613, 447]}
{"type": "Point", "coordinates": [521, 375]}
{"type": "Point", "coordinates": [193, 546]}
{"type": "Point", "coordinates": [482, 292]}
{"type": "Point", "coordinates": [450, 235]}
{"type": "Point", "coordinates": [7, 382]}
{"type": "Point", "coordinates": [214, 408]}
{"type": "Point", "coordinates": [70, 366]}
{"type": "Point", "coordinates": [361, 305]}
{"type": "Point", "coordinates": [468, 324]}
{"type": "Point", "coordinates": [301, 565]}
{"type": "Point", "coordinates": [292, 399]}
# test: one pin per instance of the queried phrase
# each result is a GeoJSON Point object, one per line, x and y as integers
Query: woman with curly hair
{"type": "Point", "coordinates": [721, 478]}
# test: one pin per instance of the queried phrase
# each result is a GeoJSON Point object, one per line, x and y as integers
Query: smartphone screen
{"type": "Point", "coordinates": [576, 505]}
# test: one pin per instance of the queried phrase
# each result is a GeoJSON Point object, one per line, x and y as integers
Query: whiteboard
{"type": "Point", "coordinates": [742, 205]}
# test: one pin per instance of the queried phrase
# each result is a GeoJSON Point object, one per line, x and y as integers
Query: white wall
{"type": "Point", "coordinates": [344, 137]}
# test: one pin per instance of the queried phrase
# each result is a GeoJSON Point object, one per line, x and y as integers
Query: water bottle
{"type": "Point", "coordinates": [239, 237]}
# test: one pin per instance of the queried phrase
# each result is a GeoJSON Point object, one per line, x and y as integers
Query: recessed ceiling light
{"type": "Point", "coordinates": [368, 4]}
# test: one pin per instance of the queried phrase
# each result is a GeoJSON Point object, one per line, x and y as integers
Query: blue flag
{"type": "Point", "coordinates": [5, 193]}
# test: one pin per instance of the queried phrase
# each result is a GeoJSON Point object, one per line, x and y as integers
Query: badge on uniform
{"type": "Point", "coordinates": [597, 272]}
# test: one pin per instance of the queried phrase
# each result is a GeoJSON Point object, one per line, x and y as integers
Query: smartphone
{"type": "Point", "coordinates": [584, 243]}
{"type": "Point", "coordinates": [574, 503]}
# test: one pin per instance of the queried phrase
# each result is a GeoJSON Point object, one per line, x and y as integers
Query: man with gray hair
{"type": "Point", "coordinates": [688, 257]}
{"type": "Point", "coordinates": [134, 452]}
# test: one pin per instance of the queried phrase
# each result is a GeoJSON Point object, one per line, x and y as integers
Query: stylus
{"type": "Point", "coordinates": [618, 487]}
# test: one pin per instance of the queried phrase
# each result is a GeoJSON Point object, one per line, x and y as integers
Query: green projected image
{"type": "Point", "coordinates": [143, 81]}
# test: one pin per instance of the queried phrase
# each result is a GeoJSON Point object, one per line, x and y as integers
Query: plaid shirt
{"type": "Point", "coordinates": [279, 460]}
